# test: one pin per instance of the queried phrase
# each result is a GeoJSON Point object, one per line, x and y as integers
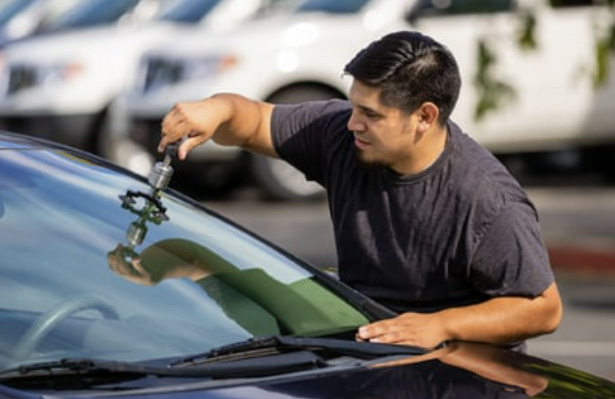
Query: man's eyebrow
{"type": "Point", "coordinates": [366, 109]}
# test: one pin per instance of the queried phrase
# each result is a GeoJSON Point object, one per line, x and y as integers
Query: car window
{"type": "Point", "coordinates": [332, 6]}
{"type": "Point", "coordinates": [90, 13]}
{"type": "Point", "coordinates": [574, 3]}
{"type": "Point", "coordinates": [121, 275]}
{"type": "Point", "coordinates": [273, 7]}
{"type": "Point", "coordinates": [428, 8]}
{"type": "Point", "coordinates": [186, 11]}
{"type": "Point", "coordinates": [10, 8]}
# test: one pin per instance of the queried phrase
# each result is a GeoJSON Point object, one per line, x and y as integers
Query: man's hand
{"type": "Point", "coordinates": [417, 329]}
{"type": "Point", "coordinates": [131, 270]}
{"type": "Point", "coordinates": [195, 121]}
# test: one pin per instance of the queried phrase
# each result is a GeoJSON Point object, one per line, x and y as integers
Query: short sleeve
{"type": "Point", "coordinates": [511, 257]}
{"type": "Point", "coordinates": [301, 133]}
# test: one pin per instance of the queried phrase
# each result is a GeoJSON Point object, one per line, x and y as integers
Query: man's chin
{"type": "Point", "coordinates": [366, 162]}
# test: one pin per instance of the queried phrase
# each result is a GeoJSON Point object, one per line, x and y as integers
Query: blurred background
{"type": "Point", "coordinates": [538, 91]}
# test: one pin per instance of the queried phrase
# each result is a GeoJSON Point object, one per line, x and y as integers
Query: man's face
{"type": "Point", "coordinates": [383, 135]}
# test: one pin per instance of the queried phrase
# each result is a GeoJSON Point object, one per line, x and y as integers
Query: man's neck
{"type": "Point", "coordinates": [426, 152]}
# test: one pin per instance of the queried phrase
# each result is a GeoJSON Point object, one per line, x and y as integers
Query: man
{"type": "Point", "coordinates": [425, 220]}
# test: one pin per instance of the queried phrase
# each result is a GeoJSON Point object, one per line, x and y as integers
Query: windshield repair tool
{"type": "Point", "coordinates": [153, 210]}
{"type": "Point", "coordinates": [162, 171]}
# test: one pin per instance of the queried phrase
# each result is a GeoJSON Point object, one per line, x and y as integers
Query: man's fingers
{"type": "Point", "coordinates": [188, 144]}
{"type": "Point", "coordinates": [374, 330]}
{"type": "Point", "coordinates": [162, 144]}
{"type": "Point", "coordinates": [406, 329]}
{"type": "Point", "coordinates": [392, 334]}
{"type": "Point", "coordinates": [138, 267]}
{"type": "Point", "coordinates": [172, 128]}
{"type": "Point", "coordinates": [179, 124]}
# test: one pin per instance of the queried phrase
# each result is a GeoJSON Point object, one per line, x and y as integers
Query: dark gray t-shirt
{"type": "Point", "coordinates": [458, 233]}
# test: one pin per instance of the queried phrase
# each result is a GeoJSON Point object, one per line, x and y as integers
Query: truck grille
{"type": "Point", "coordinates": [20, 77]}
{"type": "Point", "coordinates": [161, 72]}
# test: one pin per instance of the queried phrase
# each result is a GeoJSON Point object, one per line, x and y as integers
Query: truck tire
{"type": "Point", "coordinates": [283, 182]}
{"type": "Point", "coordinates": [280, 180]}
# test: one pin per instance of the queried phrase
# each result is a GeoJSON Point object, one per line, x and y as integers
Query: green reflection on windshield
{"type": "Point", "coordinates": [259, 302]}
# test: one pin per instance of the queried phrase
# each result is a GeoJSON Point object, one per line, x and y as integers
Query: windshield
{"type": "Point", "coordinates": [332, 6]}
{"type": "Point", "coordinates": [10, 8]}
{"type": "Point", "coordinates": [186, 11]}
{"type": "Point", "coordinates": [90, 13]}
{"type": "Point", "coordinates": [93, 266]}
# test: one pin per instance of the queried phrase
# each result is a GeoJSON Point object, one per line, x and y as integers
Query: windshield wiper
{"type": "Point", "coordinates": [255, 357]}
{"type": "Point", "coordinates": [256, 347]}
{"type": "Point", "coordinates": [90, 372]}
{"type": "Point", "coordinates": [59, 374]}
{"type": "Point", "coordinates": [71, 366]}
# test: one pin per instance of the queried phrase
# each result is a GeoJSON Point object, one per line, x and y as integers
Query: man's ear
{"type": "Point", "coordinates": [428, 114]}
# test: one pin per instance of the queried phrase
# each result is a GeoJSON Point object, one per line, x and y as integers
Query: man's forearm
{"type": "Point", "coordinates": [246, 123]}
{"type": "Point", "coordinates": [228, 119]}
{"type": "Point", "coordinates": [505, 319]}
{"type": "Point", "coordinates": [501, 320]}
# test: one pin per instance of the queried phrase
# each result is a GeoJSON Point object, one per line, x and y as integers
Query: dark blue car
{"type": "Point", "coordinates": [111, 286]}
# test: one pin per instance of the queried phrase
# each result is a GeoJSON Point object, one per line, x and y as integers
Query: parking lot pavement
{"type": "Point", "coordinates": [578, 225]}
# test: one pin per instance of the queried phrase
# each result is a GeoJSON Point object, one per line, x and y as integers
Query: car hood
{"type": "Point", "coordinates": [461, 370]}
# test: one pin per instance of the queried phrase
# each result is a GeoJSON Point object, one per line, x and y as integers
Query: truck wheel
{"type": "Point", "coordinates": [280, 180]}
{"type": "Point", "coordinates": [283, 182]}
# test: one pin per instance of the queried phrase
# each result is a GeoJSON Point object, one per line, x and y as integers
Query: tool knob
{"type": "Point", "coordinates": [160, 175]}
{"type": "Point", "coordinates": [162, 172]}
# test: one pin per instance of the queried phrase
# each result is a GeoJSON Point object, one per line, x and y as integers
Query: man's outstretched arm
{"type": "Point", "coordinates": [501, 320]}
{"type": "Point", "coordinates": [227, 119]}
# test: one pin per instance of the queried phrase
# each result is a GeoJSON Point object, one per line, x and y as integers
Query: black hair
{"type": "Point", "coordinates": [410, 68]}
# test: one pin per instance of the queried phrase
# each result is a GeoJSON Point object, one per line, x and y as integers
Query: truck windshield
{"type": "Point", "coordinates": [332, 6]}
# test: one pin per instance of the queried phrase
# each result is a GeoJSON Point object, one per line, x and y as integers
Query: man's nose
{"type": "Point", "coordinates": [353, 125]}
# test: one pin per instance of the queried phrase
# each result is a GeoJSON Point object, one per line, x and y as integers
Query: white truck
{"type": "Point", "coordinates": [60, 86]}
{"type": "Point", "coordinates": [301, 56]}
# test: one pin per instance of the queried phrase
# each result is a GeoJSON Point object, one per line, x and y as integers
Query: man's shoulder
{"type": "Point", "coordinates": [324, 121]}
{"type": "Point", "coordinates": [310, 135]}
{"type": "Point", "coordinates": [311, 109]}
{"type": "Point", "coordinates": [480, 174]}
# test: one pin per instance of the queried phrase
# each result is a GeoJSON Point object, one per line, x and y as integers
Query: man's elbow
{"type": "Point", "coordinates": [553, 310]}
{"type": "Point", "coordinates": [553, 319]}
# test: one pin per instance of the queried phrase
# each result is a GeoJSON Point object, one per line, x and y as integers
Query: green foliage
{"type": "Point", "coordinates": [601, 73]}
{"type": "Point", "coordinates": [604, 50]}
{"type": "Point", "coordinates": [493, 93]}
{"type": "Point", "coordinates": [527, 37]}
